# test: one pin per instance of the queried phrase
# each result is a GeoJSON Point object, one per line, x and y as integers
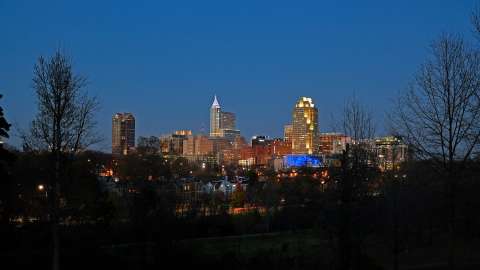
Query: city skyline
{"type": "Point", "coordinates": [204, 127]}
{"type": "Point", "coordinates": [271, 53]}
{"type": "Point", "coordinates": [302, 144]}
{"type": "Point", "coordinates": [338, 135]}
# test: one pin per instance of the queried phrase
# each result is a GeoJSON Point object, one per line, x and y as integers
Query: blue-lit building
{"type": "Point", "coordinates": [296, 161]}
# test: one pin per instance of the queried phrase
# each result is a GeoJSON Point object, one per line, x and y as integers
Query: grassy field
{"type": "Point", "coordinates": [288, 250]}
{"type": "Point", "coordinates": [306, 249]}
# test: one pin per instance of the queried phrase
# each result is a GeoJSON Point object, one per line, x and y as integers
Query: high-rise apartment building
{"type": "Point", "coordinates": [304, 135]}
{"type": "Point", "coordinates": [123, 133]}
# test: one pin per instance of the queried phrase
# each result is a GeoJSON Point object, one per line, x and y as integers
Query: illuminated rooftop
{"type": "Point", "coordinates": [305, 102]}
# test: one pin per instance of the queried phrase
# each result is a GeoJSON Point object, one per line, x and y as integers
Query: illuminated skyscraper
{"type": "Point", "coordinates": [304, 134]}
{"type": "Point", "coordinates": [215, 118]}
{"type": "Point", "coordinates": [222, 124]}
{"type": "Point", "coordinates": [123, 133]}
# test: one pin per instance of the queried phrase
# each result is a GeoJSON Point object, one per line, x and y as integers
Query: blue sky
{"type": "Point", "coordinates": [164, 60]}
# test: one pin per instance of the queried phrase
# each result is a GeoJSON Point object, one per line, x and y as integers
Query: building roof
{"type": "Point", "coordinates": [215, 103]}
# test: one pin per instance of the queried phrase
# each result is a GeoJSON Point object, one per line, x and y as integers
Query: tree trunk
{"type": "Point", "coordinates": [345, 241]}
{"type": "Point", "coordinates": [56, 246]}
{"type": "Point", "coordinates": [451, 221]}
{"type": "Point", "coordinates": [54, 228]}
{"type": "Point", "coordinates": [54, 213]}
{"type": "Point", "coordinates": [396, 248]}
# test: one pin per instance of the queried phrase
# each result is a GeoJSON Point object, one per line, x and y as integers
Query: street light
{"type": "Point", "coordinates": [42, 188]}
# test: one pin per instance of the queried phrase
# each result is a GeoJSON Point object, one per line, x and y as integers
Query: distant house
{"type": "Point", "coordinates": [208, 188]}
{"type": "Point", "coordinates": [226, 187]}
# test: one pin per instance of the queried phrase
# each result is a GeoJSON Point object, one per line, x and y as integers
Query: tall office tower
{"type": "Point", "coordinates": [123, 133]}
{"type": "Point", "coordinates": [287, 132]}
{"type": "Point", "coordinates": [304, 127]}
{"type": "Point", "coordinates": [215, 118]}
{"type": "Point", "coordinates": [227, 120]}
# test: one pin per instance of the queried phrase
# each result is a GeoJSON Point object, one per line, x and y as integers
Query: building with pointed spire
{"type": "Point", "coordinates": [222, 124]}
{"type": "Point", "coordinates": [215, 118]}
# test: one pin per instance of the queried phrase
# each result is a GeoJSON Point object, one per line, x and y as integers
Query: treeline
{"type": "Point", "coordinates": [401, 211]}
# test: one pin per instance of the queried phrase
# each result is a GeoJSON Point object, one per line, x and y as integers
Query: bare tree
{"type": "Point", "coordinates": [6, 160]}
{"type": "Point", "coordinates": [475, 19]}
{"type": "Point", "coordinates": [63, 125]}
{"type": "Point", "coordinates": [357, 123]}
{"type": "Point", "coordinates": [438, 114]}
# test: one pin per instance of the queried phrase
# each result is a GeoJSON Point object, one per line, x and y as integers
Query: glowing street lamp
{"type": "Point", "coordinates": [42, 188]}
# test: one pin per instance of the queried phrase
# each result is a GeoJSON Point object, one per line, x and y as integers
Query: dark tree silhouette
{"type": "Point", "coordinates": [357, 168]}
{"type": "Point", "coordinates": [438, 115]}
{"type": "Point", "coordinates": [63, 126]}
{"type": "Point", "coordinates": [6, 159]}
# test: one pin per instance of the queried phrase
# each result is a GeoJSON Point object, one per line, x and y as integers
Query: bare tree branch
{"type": "Point", "coordinates": [438, 115]}
{"type": "Point", "coordinates": [63, 125]}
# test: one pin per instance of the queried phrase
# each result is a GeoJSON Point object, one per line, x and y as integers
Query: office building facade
{"type": "Point", "coordinates": [304, 136]}
{"type": "Point", "coordinates": [123, 133]}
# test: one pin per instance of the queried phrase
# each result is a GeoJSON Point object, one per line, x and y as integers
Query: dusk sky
{"type": "Point", "coordinates": [164, 60]}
